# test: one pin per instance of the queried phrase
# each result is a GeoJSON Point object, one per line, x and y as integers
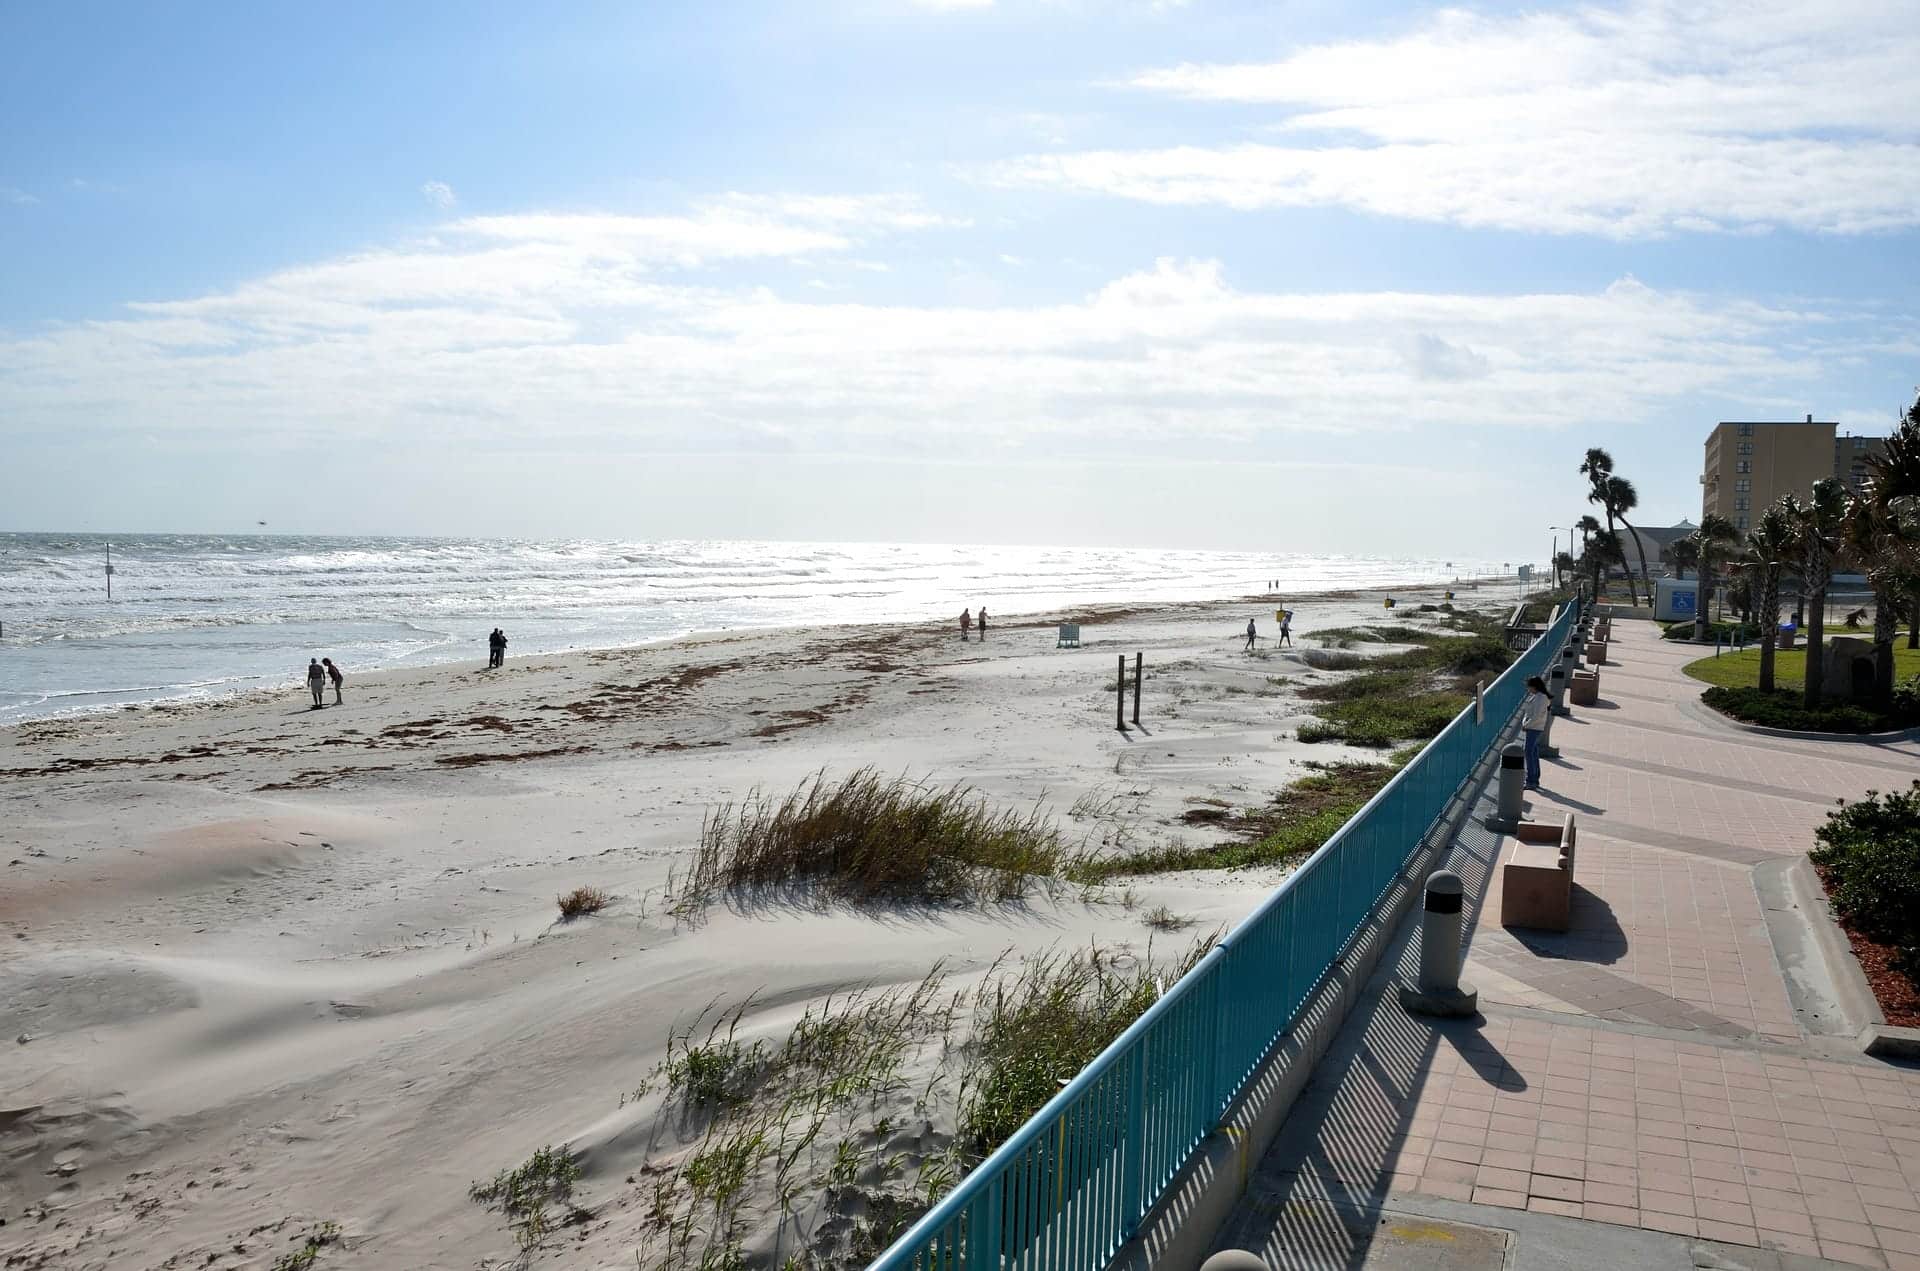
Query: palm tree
{"type": "Point", "coordinates": [1563, 567]}
{"type": "Point", "coordinates": [1589, 528]}
{"type": "Point", "coordinates": [1871, 536]}
{"type": "Point", "coordinates": [1886, 539]}
{"type": "Point", "coordinates": [1623, 498]}
{"type": "Point", "coordinates": [1816, 530]}
{"type": "Point", "coordinates": [1715, 531]}
{"type": "Point", "coordinates": [1597, 468]}
{"type": "Point", "coordinates": [1685, 553]}
{"type": "Point", "coordinates": [1770, 547]}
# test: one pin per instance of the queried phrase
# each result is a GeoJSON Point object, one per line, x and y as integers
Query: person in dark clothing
{"type": "Point", "coordinates": [316, 683]}
{"type": "Point", "coordinates": [1250, 635]}
{"type": "Point", "coordinates": [982, 624]}
{"type": "Point", "coordinates": [1286, 626]}
{"type": "Point", "coordinates": [333, 673]}
{"type": "Point", "coordinates": [497, 648]}
{"type": "Point", "coordinates": [966, 624]}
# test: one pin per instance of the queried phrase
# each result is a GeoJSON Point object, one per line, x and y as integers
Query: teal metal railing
{"type": "Point", "coordinates": [1075, 1182]}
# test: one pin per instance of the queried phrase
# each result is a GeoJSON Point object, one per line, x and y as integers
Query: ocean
{"type": "Point", "coordinates": [202, 615]}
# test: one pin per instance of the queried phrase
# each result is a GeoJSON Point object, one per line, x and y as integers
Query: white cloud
{"type": "Point", "coordinates": [1641, 120]}
{"type": "Point", "coordinates": [592, 329]}
{"type": "Point", "coordinates": [439, 193]}
{"type": "Point", "coordinates": [17, 197]}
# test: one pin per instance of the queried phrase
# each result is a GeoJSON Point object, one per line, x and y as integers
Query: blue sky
{"type": "Point", "coordinates": [1318, 276]}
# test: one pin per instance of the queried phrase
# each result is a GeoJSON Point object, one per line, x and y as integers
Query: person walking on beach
{"type": "Point", "coordinates": [1533, 726]}
{"type": "Point", "coordinates": [1286, 627]}
{"type": "Point", "coordinates": [496, 649]}
{"type": "Point", "coordinates": [966, 624]}
{"type": "Point", "coordinates": [316, 682]}
{"type": "Point", "coordinates": [1250, 635]}
{"type": "Point", "coordinates": [983, 624]}
{"type": "Point", "coordinates": [333, 673]}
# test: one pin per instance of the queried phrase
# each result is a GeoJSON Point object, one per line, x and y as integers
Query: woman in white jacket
{"type": "Point", "coordinates": [1533, 725]}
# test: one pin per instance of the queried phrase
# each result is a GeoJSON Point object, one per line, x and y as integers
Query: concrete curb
{"type": "Point", "coordinates": [1874, 1036]}
{"type": "Point", "coordinates": [1180, 1230]}
{"type": "Point", "coordinates": [1700, 712]}
{"type": "Point", "coordinates": [1824, 983]}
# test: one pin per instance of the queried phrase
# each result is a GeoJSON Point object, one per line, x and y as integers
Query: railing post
{"type": "Point", "coordinates": [1222, 1056]}
{"type": "Point", "coordinates": [1133, 1150]}
{"type": "Point", "coordinates": [1120, 696]}
{"type": "Point", "coordinates": [983, 1229]}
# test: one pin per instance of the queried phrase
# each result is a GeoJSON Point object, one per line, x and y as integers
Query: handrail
{"type": "Point", "coordinates": [1067, 1188]}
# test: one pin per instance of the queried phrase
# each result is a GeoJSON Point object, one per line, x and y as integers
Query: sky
{"type": "Point", "coordinates": [1326, 276]}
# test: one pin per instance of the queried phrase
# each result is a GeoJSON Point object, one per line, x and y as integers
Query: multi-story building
{"type": "Point", "coordinates": [1850, 456]}
{"type": "Point", "coordinates": [1749, 465]}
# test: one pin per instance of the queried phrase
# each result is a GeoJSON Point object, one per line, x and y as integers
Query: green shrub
{"type": "Point", "coordinates": [1870, 853]}
{"type": "Point", "coordinates": [1728, 631]}
{"type": "Point", "coordinates": [1784, 708]}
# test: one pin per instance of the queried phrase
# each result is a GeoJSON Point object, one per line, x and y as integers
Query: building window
{"type": "Point", "coordinates": [1740, 523]}
{"type": "Point", "coordinates": [1859, 443]}
{"type": "Point", "coordinates": [1741, 504]}
{"type": "Point", "coordinates": [1743, 485]}
{"type": "Point", "coordinates": [1746, 430]}
{"type": "Point", "coordinates": [1745, 465]}
{"type": "Point", "coordinates": [1746, 448]}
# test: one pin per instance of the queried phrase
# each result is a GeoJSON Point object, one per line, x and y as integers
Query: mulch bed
{"type": "Point", "coordinates": [1898, 996]}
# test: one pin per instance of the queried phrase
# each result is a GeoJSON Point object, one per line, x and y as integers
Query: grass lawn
{"type": "Point", "coordinates": [1742, 670]}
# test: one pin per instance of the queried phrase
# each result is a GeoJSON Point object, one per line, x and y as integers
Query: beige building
{"type": "Point", "coordinates": [1850, 456]}
{"type": "Point", "coordinates": [1750, 465]}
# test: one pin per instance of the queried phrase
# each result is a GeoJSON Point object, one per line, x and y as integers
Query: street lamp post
{"type": "Point", "coordinates": [1553, 562]}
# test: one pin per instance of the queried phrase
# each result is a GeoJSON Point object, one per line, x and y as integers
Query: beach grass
{"type": "Point", "coordinates": [870, 837]}
{"type": "Point", "coordinates": [581, 900]}
{"type": "Point", "coordinates": [1300, 818]}
{"type": "Point", "coordinates": [1411, 694]}
{"type": "Point", "coordinates": [1044, 1024]}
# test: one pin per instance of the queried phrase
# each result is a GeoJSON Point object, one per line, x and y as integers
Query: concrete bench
{"type": "Point", "coordinates": [1585, 689]}
{"type": "Point", "coordinates": [1536, 880]}
{"type": "Point", "coordinates": [1596, 652]}
{"type": "Point", "coordinates": [1069, 636]}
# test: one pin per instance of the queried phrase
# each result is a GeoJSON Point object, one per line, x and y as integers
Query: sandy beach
{"type": "Point", "coordinates": [264, 968]}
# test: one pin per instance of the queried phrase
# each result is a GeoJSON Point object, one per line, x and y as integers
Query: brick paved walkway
{"type": "Point", "coordinates": [1646, 1068]}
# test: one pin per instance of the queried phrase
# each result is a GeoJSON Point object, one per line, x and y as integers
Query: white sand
{"type": "Point", "coordinates": [274, 966]}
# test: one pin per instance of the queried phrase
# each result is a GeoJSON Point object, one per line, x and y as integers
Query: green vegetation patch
{"type": "Point", "coordinates": [524, 1192]}
{"type": "Point", "coordinates": [1742, 669]}
{"type": "Point", "coordinates": [1869, 855]}
{"type": "Point", "coordinates": [1409, 695]}
{"type": "Point", "coordinates": [1040, 1028]}
{"type": "Point", "coordinates": [871, 837]}
{"type": "Point", "coordinates": [1300, 819]}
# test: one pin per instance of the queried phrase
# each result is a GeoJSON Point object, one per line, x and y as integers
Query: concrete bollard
{"type": "Point", "coordinates": [1513, 782]}
{"type": "Point", "coordinates": [1563, 677]}
{"type": "Point", "coordinates": [1439, 991]}
{"type": "Point", "coordinates": [1557, 690]}
{"type": "Point", "coordinates": [1547, 749]}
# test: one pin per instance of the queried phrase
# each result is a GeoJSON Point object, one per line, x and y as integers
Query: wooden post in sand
{"type": "Point", "coordinates": [1136, 688]}
{"type": "Point", "coordinates": [1120, 697]}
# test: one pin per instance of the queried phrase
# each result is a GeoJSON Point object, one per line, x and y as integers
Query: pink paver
{"type": "Point", "coordinates": [1644, 1068]}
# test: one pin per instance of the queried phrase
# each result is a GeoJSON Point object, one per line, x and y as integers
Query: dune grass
{"type": "Point", "coordinates": [1295, 824]}
{"type": "Point", "coordinates": [1409, 695]}
{"type": "Point", "coordinates": [870, 837]}
{"type": "Point", "coordinates": [1040, 1027]}
{"type": "Point", "coordinates": [581, 900]}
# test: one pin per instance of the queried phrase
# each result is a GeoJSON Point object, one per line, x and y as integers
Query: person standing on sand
{"type": "Point", "coordinates": [333, 673]}
{"type": "Point", "coordinates": [966, 624]}
{"type": "Point", "coordinates": [1286, 627]}
{"type": "Point", "coordinates": [1533, 726]}
{"type": "Point", "coordinates": [316, 682]}
{"type": "Point", "coordinates": [1250, 635]}
{"type": "Point", "coordinates": [983, 624]}
{"type": "Point", "coordinates": [496, 649]}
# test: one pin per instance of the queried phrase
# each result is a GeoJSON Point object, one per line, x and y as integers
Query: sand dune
{"type": "Point", "coordinates": [274, 967]}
